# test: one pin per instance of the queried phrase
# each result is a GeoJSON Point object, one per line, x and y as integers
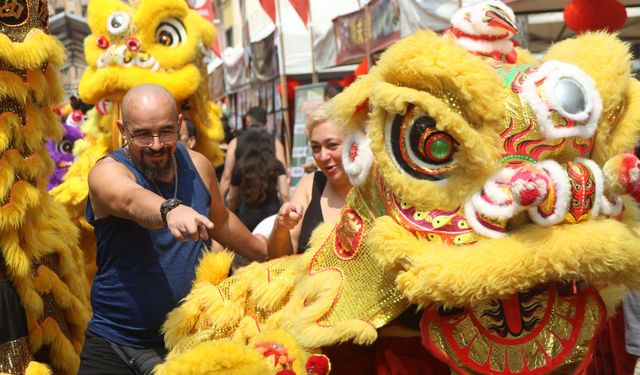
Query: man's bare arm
{"type": "Point", "coordinates": [114, 192]}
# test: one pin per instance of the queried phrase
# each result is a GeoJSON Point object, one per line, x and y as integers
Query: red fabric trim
{"type": "Point", "coordinates": [491, 38]}
{"type": "Point", "coordinates": [461, 354]}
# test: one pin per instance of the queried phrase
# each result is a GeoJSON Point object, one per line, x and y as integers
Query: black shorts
{"type": "Point", "coordinates": [102, 357]}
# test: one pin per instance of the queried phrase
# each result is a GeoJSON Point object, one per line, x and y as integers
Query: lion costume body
{"type": "Point", "coordinates": [495, 196]}
{"type": "Point", "coordinates": [43, 294]}
{"type": "Point", "coordinates": [156, 41]}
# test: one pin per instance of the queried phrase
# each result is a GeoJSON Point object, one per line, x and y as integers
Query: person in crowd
{"type": "Point", "coordinates": [188, 134]}
{"type": "Point", "coordinates": [319, 197]}
{"type": "Point", "coordinates": [258, 182]}
{"type": "Point", "coordinates": [154, 205]}
{"type": "Point", "coordinates": [255, 117]}
{"type": "Point", "coordinates": [332, 89]}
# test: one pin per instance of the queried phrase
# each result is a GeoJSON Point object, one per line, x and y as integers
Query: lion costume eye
{"type": "Point", "coordinates": [118, 22]}
{"type": "Point", "coordinates": [418, 147]}
{"type": "Point", "coordinates": [65, 146]}
{"type": "Point", "coordinates": [171, 33]}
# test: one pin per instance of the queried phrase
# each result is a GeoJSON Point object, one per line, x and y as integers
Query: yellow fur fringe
{"type": "Point", "coordinates": [600, 252]}
{"type": "Point", "coordinates": [32, 226]}
{"type": "Point", "coordinates": [216, 357]}
{"type": "Point", "coordinates": [36, 368]}
{"type": "Point", "coordinates": [214, 267]}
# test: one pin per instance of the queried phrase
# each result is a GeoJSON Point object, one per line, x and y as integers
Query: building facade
{"type": "Point", "coordinates": [67, 21]}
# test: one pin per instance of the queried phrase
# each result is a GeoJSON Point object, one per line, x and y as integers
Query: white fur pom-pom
{"type": "Point", "coordinates": [357, 157]}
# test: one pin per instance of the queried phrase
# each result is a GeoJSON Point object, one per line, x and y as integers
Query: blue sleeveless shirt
{"type": "Point", "coordinates": [144, 273]}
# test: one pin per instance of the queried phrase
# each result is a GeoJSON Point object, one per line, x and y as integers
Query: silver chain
{"type": "Point", "coordinates": [175, 174]}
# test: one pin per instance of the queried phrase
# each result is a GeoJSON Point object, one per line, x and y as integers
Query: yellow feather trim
{"type": "Point", "coordinates": [120, 79]}
{"type": "Point", "coordinates": [36, 368]}
{"type": "Point", "coordinates": [445, 67]}
{"type": "Point", "coordinates": [626, 130]}
{"type": "Point", "coordinates": [292, 347]}
{"type": "Point", "coordinates": [344, 105]}
{"type": "Point", "coordinates": [36, 51]}
{"type": "Point", "coordinates": [214, 267]}
{"type": "Point", "coordinates": [599, 252]}
{"type": "Point", "coordinates": [216, 357]}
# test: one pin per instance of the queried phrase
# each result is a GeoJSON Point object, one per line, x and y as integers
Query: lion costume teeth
{"type": "Point", "coordinates": [493, 200]}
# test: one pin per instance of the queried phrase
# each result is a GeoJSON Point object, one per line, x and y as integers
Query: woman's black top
{"type": "Point", "coordinates": [313, 215]}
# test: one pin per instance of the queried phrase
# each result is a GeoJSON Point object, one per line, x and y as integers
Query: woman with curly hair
{"type": "Point", "coordinates": [258, 181]}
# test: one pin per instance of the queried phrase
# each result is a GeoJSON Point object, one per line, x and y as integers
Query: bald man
{"type": "Point", "coordinates": [154, 205]}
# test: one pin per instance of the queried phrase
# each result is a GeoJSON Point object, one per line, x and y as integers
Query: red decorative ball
{"type": "Point", "coordinates": [317, 365]}
{"type": "Point", "coordinates": [102, 42]}
{"type": "Point", "coordinates": [76, 115]}
{"type": "Point", "coordinates": [133, 44]}
{"type": "Point", "coordinates": [591, 15]}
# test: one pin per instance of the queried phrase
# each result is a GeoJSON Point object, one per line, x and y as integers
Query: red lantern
{"type": "Point", "coordinates": [592, 15]}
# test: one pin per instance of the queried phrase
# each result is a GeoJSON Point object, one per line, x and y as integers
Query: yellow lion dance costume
{"type": "Point", "coordinates": [44, 299]}
{"type": "Point", "coordinates": [494, 196]}
{"type": "Point", "coordinates": [154, 41]}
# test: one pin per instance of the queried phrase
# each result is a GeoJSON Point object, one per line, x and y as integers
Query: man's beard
{"type": "Point", "coordinates": [154, 171]}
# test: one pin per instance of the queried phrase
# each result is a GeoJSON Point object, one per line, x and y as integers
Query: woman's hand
{"type": "Point", "coordinates": [289, 215]}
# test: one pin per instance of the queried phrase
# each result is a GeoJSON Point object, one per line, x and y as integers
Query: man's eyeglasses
{"type": "Point", "coordinates": [146, 140]}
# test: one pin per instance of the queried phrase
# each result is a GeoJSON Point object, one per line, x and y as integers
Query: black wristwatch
{"type": "Point", "coordinates": [167, 206]}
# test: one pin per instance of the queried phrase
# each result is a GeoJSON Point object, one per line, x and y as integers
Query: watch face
{"type": "Point", "coordinates": [169, 204]}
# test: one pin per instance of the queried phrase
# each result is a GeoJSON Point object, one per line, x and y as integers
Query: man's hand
{"type": "Point", "coordinates": [289, 215]}
{"type": "Point", "coordinates": [184, 222]}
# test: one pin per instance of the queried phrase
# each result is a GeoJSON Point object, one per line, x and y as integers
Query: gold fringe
{"type": "Point", "coordinates": [35, 52]}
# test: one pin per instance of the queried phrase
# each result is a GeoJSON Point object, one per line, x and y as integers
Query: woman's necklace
{"type": "Point", "coordinates": [175, 174]}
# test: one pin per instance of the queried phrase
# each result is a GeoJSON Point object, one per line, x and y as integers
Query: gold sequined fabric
{"type": "Point", "coordinates": [51, 308]}
{"type": "Point", "coordinates": [271, 271]}
{"type": "Point", "coordinates": [6, 67]}
{"type": "Point", "coordinates": [368, 292]}
{"type": "Point", "coordinates": [15, 356]}
{"type": "Point", "coordinates": [18, 17]}
{"type": "Point", "coordinates": [614, 115]}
